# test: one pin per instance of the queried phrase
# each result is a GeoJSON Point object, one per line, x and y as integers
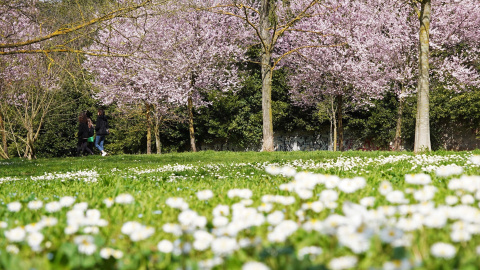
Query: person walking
{"type": "Point", "coordinates": [101, 128]}
{"type": "Point", "coordinates": [82, 145]}
{"type": "Point", "coordinates": [91, 131]}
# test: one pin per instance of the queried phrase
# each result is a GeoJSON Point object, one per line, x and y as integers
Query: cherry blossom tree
{"type": "Point", "coordinates": [3, 132]}
{"type": "Point", "coordinates": [48, 29]}
{"type": "Point", "coordinates": [142, 79]}
{"type": "Point", "coordinates": [25, 29]}
{"type": "Point", "coordinates": [271, 22]}
{"type": "Point", "coordinates": [444, 25]}
{"type": "Point", "coordinates": [27, 99]}
{"type": "Point", "coordinates": [355, 74]}
{"type": "Point", "coordinates": [381, 41]}
{"type": "Point", "coordinates": [176, 52]}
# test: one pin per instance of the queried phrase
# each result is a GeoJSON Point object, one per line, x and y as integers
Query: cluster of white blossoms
{"type": "Point", "coordinates": [50, 207]}
{"type": "Point", "coordinates": [345, 262]}
{"type": "Point", "coordinates": [31, 233]}
{"type": "Point", "coordinates": [393, 224]}
{"type": "Point", "coordinates": [85, 244]}
{"type": "Point", "coordinates": [89, 220]}
{"type": "Point", "coordinates": [124, 198]}
{"type": "Point", "coordinates": [89, 176]}
{"type": "Point", "coordinates": [165, 246]}
{"type": "Point", "coordinates": [282, 231]}
{"type": "Point", "coordinates": [167, 168]}
{"type": "Point", "coordinates": [443, 250]}
{"type": "Point", "coordinates": [242, 218]}
{"type": "Point", "coordinates": [418, 179]}
{"type": "Point", "coordinates": [467, 183]}
{"type": "Point", "coordinates": [475, 160]}
{"type": "Point", "coordinates": [8, 179]}
{"type": "Point", "coordinates": [255, 266]}
{"type": "Point", "coordinates": [287, 171]}
{"type": "Point", "coordinates": [192, 223]}
{"type": "Point", "coordinates": [137, 231]}
{"type": "Point", "coordinates": [312, 204]}
{"type": "Point", "coordinates": [211, 263]}
{"type": "Point", "coordinates": [240, 193]}
{"type": "Point", "coordinates": [428, 163]}
{"type": "Point", "coordinates": [448, 170]}
{"type": "Point", "coordinates": [190, 220]}
{"type": "Point", "coordinates": [204, 195]}
{"type": "Point", "coordinates": [80, 221]}
{"type": "Point", "coordinates": [177, 202]}
{"type": "Point", "coordinates": [107, 252]}
{"type": "Point", "coordinates": [354, 229]}
{"type": "Point", "coordinates": [284, 200]}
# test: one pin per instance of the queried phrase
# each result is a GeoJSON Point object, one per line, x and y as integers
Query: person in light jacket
{"type": "Point", "coordinates": [101, 129]}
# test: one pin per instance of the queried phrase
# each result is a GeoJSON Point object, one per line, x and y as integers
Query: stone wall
{"type": "Point", "coordinates": [458, 138]}
{"type": "Point", "coordinates": [454, 139]}
{"type": "Point", "coordinates": [298, 141]}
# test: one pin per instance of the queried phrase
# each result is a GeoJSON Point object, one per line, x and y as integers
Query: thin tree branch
{"type": "Point", "coordinates": [64, 31]}
{"type": "Point", "coordinates": [305, 47]}
{"type": "Point", "coordinates": [69, 50]}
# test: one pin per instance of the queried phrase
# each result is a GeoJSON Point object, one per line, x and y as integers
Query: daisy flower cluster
{"type": "Point", "coordinates": [89, 176]}
{"type": "Point", "coordinates": [393, 218]}
{"type": "Point", "coordinates": [167, 168]}
{"type": "Point", "coordinates": [328, 220]}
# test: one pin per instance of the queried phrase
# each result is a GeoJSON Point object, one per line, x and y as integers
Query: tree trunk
{"type": "Point", "coordinates": [422, 125]}
{"type": "Point", "coordinates": [333, 120]}
{"type": "Point", "coordinates": [265, 36]}
{"type": "Point", "coordinates": [340, 122]}
{"type": "Point", "coordinates": [397, 142]}
{"type": "Point", "coordinates": [158, 143]}
{"type": "Point", "coordinates": [30, 148]}
{"type": "Point", "coordinates": [149, 129]}
{"type": "Point", "coordinates": [190, 123]}
{"type": "Point", "coordinates": [334, 136]}
{"type": "Point", "coordinates": [4, 152]}
{"type": "Point", "coordinates": [330, 137]}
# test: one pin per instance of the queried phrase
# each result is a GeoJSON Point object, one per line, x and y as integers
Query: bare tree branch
{"type": "Point", "coordinates": [65, 31]}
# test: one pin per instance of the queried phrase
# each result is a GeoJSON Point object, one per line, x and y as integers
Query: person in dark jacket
{"type": "Point", "coordinates": [101, 128]}
{"type": "Point", "coordinates": [82, 145]}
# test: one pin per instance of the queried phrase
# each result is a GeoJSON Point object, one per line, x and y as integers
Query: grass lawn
{"type": "Point", "coordinates": [242, 210]}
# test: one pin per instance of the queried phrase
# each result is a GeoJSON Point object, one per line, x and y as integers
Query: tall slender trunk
{"type": "Point", "coordinates": [158, 143]}
{"type": "Point", "coordinates": [265, 36]}
{"type": "Point", "coordinates": [333, 121]}
{"type": "Point", "coordinates": [397, 142]}
{"type": "Point", "coordinates": [4, 152]}
{"type": "Point", "coordinates": [340, 122]}
{"type": "Point", "coordinates": [334, 136]}
{"type": "Point", "coordinates": [330, 137]}
{"type": "Point", "coordinates": [422, 125]}
{"type": "Point", "coordinates": [190, 123]}
{"type": "Point", "coordinates": [191, 130]}
{"type": "Point", "coordinates": [148, 108]}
